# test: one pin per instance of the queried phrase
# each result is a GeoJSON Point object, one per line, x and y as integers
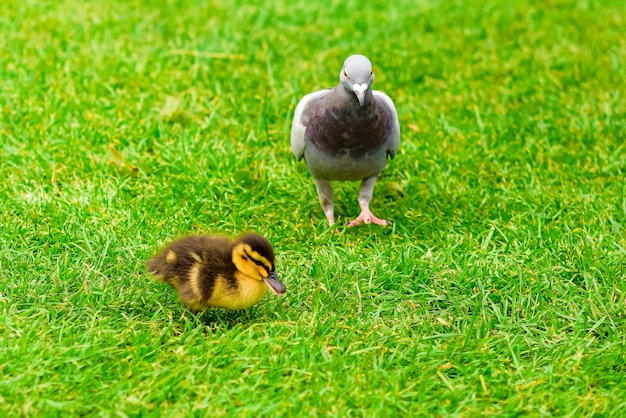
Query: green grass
{"type": "Point", "coordinates": [499, 290]}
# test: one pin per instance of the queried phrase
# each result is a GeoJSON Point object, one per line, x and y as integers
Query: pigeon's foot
{"type": "Point", "coordinates": [367, 217]}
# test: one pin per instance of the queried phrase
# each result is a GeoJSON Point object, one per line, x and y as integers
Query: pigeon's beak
{"type": "Point", "coordinates": [274, 284]}
{"type": "Point", "coordinates": [359, 91]}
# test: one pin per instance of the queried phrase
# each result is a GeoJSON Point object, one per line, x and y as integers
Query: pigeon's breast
{"type": "Point", "coordinates": [348, 130]}
{"type": "Point", "coordinates": [346, 141]}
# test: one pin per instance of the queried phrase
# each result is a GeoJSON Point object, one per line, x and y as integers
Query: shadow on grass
{"type": "Point", "coordinates": [181, 320]}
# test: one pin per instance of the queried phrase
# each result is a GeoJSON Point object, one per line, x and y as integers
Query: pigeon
{"type": "Point", "coordinates": [347, 134]}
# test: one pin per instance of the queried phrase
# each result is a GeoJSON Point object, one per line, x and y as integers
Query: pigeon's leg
{"type": "Point", "coordinates": [325, 193]}
{"type": "Point", "coordinates": [365, 195]}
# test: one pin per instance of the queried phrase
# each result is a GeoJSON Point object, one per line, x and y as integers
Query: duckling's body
{"type": "Point", "coordinates": [214, 271]}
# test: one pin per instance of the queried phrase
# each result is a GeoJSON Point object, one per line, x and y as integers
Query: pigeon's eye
{"type": "Point", "coordinates": [371, 73]}
{"type": "Point", "coordinates": [345, 73]}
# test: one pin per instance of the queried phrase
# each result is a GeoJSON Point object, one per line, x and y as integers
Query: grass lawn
{"type": "Point", "coordinates": [500, 288]}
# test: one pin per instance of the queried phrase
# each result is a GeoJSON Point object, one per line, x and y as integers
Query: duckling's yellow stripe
{"type": "Point", "coordinates": [194, 280]}
{"type": "Point", "coordinates": [256, 257]}
{"type": "Point", "coordinates": [171, 257]}
{"type": "Point", "coordinates": [196, 256]}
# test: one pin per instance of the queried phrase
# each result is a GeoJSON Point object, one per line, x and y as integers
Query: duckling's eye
{"type": "Point", "coordinates": [255, 261]}
{"type": "Point", "coordinates": [263, 266]}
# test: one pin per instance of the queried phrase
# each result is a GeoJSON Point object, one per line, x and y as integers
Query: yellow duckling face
{"type": "Point", "coordinates": [253, 256]}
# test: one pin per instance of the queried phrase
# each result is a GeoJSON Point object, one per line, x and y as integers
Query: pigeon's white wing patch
{"type": "Point", "coordinates": [394, 135]}
{"type": "Point", "coordinates": [298, 126]}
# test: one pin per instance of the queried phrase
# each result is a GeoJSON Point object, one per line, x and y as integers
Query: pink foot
{"type": "Point", "coordinates": [367, 217]}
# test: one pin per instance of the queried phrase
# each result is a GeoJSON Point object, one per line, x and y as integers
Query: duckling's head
{"type": "Point", "coordinates": [253, 255]}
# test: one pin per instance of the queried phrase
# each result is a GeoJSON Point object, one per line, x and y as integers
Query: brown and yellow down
{"type": "Point", "coordinates": [214, 271]}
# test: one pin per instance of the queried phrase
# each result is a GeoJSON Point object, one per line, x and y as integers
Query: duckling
{"type": "Point", "coordinates": [346, 134]}
{"type": "Point", "coordinates": [214, 271]}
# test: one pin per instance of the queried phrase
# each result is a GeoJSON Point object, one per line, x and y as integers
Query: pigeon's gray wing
{"type": "Point", "coordinates": [393, 136]}
{"type": "Point", "coordinates": [298, 126]}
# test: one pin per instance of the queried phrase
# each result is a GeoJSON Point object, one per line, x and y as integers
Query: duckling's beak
{"type": "Point", "coordinates": [274, 284]}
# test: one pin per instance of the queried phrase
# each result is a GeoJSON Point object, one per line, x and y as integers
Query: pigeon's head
{"type": "Point", "coordinates": [357, 75]}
